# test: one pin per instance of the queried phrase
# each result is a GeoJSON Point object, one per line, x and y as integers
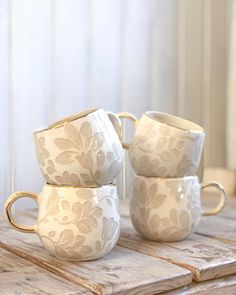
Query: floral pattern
{"type": "Point", "coordinates": [78, 224]}
{"type": "Point", "coordinates": [86, 152]}
{"type": "Point", "coordinates": [161, 150]}
{"type": "Point", "coordinates": [165, 210]}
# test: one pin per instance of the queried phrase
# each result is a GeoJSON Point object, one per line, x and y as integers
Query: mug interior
{"type": "Point", "coordinates": [174, 121]}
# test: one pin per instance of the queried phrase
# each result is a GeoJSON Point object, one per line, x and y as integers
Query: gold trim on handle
{"type": "Point", "coordinates": [223, 195]}
{"type": "Point", "coordinates": [8, 214]}
{"type": "Point", "coordinates": [126, 115]}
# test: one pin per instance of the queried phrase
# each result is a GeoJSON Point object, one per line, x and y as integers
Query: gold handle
{"type": "Point", "coordinates": [126, 115]}
{"type": "Point", "coordinates": [8, 214]}
{"type": "Point", "coordinates": [223, 195]}
{"type": "Point", "coordinates": [116, 123]}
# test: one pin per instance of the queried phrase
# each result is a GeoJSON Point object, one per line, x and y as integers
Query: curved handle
{"type": "Point", "coordinates": [131, 117]}
{"type": "Point", "coordinates": [222, 200]}
{"type": "Point", "coordinates": [116, 123]}
{"type": "Point", "coordinates": [8, 214]}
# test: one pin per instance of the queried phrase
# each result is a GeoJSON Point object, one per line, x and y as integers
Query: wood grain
{"type": "Point", "coordinates": [122, 271]}
{"type": "Point", "coordinates": [220, 286]}
{"type": "Point", "coordinates": [205, 257]}
{"type": "Point", "coordinates": [19, 276]}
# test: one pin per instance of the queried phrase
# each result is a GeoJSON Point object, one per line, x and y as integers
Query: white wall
{"type": "Point", "coordinates": [62, 56]}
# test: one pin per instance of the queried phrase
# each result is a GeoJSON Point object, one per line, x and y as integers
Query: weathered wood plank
{"type": "Point", "coordinates": [19, 276]}
{"type": "Point", "coordinates": [225, 285]}
{"type": "Point", "coordinates": [207, 258]}
{"type": "Point", "coordinates": [122, 271]}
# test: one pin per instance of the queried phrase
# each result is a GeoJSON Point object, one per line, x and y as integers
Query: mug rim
{"type": "Point", "coordinates": [113, 184]}
{"type": "Point", "coordinates": [151, 115]}
{"type": "Point", "coordinates": [68, 119]}
{"type": "Point", "coordinates": [157, 178]}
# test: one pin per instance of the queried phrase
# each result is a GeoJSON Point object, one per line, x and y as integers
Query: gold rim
{"type": "Point", "coordinates": [78, 187]}
{"type": "Point", "coordinates": [67, 120]}
{"type": "Point", "coordinates": [151, 115]}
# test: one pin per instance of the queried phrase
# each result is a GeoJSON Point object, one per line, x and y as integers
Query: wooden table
{"type": "Point", "coordinates": [205, 263]}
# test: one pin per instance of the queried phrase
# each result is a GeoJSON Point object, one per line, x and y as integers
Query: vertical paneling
{"type": "Point", "coordinates": [231, 88]}
{"type": "Point", "coordinates": [30, 60]}
{"type": "Point", "coordinates": [215, 153]}
{"type": "Point", "coordinates": [4, 104]}
{"type": "Point", "coordinates": [105, 50]}
{"type": "Point", "coordinates": [135, 63]}
{"type": "Point", "coordinates": [163, 56]}
{"type": "Point", "coordinates": [70, 42]}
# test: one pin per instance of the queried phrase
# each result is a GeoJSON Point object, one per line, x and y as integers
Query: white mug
{"type": "Point", "coordinates": [164, 145]}
{"type": "Point", "coordinates": [74, 224]}
{"type": "Point", "coordinates": [83, 150]}
{"type": "Point", "coordinates": [169, 209]}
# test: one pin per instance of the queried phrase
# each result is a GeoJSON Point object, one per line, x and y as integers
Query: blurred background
{"type": "Point", "coordinates": [60, 57]}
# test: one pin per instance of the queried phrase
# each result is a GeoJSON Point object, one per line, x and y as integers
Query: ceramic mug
{"type": "Point", "coordinates": [74, 224]}
{"type": "Point", "coordinates": [83, 150]}
{"type": "Point", "coordinates": [164, 145]}
{"type": "Point", "coordinates": [169, 209]}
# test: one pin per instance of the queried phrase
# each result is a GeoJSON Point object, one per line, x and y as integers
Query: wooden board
{"type": "Point", "coordinates": [205, 257]}
{"type": "Point", "coordinates": [19, 276]}
{"type": "Point", "coordinates": [122, 271]}
{"type": "Point", "coordinates": [220, 286]}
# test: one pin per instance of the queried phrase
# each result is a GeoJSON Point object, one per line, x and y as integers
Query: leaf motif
{"type": "Point", "coordinates": [173, 216]}
{"type": "Point", "coordinates": [166, 156]}
{"type": "Point", "coordinates": [92, 221]}
{"type": "Point", "coordinates": [60, 252]}
{"type": "Point", "coordinates": [75, 179]}
{"type": "Point", "coordinates": [165, 221]}
{"type": "Point", "coordinates": [109, 202]}
{"type": "Point", "coordinates": [65, 205]}
{"type": "Point", "coordinates": [86, 133]}
{"type": "Point", "coordinates": [87, 207]}
{"type": "Point", "coordinates": [162, 142]}
{"type": "Point", "coordinates": [144, 162]}
{"type": "Point", "coordinates": [52, 234]}
{"type": "Point", "coordinates": [180, 144]}
{"type": "Point", "coordinates": [164, 130]}
{"type": "Point", "coordinates": [66, 237]}
{"type": "Point", "coordinates": [83, 226]}
{"type": "Point", "coordinates": [77, 209]}
{"type": "Point", "coordinates": [158, 200]}
{"type": "Point", "coordinates": [79, 240]}
{"type": "Point", "coordinates": [98, 140]}
{"type": "Point", "coordinates": [184, 219]}
{"type": "Point", "coordinates": [85, 250]}
{"type": "Point", "coordinates": [52, 207]}
{"type": "Point", "coordinates": [86, 176]}
{"type": "Point", "coordinates": [100, 158]}
{"type": "Point", "coordinates": [73, 135]}
{"type": "Point", "coordinates": [113, 169]}
{"type": "Point", "coordinates": [98, 245]}
{"type": "Point", "coordinates": [98, 176]}
{"type": "Point", "coordinates": [66, 157]}
{"type": "Point", "coordinates": [152, 190]}
{"type": "Point", "coordinates": [63, 143]}
{"type": "Point", "coordinates": [97, 212]}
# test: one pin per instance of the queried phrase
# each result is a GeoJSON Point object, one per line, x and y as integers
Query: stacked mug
{"type": "Point", "coordinates": [165, 153]}
{"type": "Point", "coordinates": [79, 157]}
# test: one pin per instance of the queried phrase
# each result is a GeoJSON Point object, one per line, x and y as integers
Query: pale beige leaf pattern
{"type": "Point", "coordinates": [86, 133]}
{"type": "Point", "coordinates": [73, 135]}
{"type": "Point", "coordinates": [83, 226]}
{"type": "Point", "coordinates": [77, 209]}
{"type": "Point", "coordinates": [66, 237]}
{"type": "Point", "coordinates": [184, 219]}
{"type": "Point", "coordinates": [100, 158]}
{"type": "Point", "coordinates": [65, 205]}
{"type": "Point", "coordinates": [174, 216]}
{"type": "Point", "coordinates": [63, 143]}
{"type": "Point", "coordinates": [162, 143]}
{"type": "Point", "coordinates": [166, 156]}
{"type": "Point", "coordinates": [52, 207]}
{"type": "Point", "coordinates": [61, 253]}
{"type": "Point", "coordinates": [97, 212]}
{"type": "Point", "coordinates": [98, 245]}
{"type": "Point", "coordinates": [165, 221]}
{"type": "Point", "coordinates": [110, 226]}
{"type": "Point", "coordinates": [66, 157]}
{"type": "Point", "coordinates": [110, 156]}
{"type": "Point", "coordinates": [98, 140]}
{"type": "Point", "coordinates": [83, 160]}
{"type": "Point", "coordinates": [152, 190]}
{"type": "Point", "coordinates": [158, 200]}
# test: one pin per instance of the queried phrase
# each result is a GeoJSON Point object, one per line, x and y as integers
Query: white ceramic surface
{"type": "Point", "coordinates": [169, 209]}
{"type": "Point", "coordinates": [73, 223]}
{"type": "Point", "coordinates": [83, 150]}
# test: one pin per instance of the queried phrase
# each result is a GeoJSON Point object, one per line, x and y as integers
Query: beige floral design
{"type": "Point", "coordinates": [84, 226]}
{"type": "Point", "coordinates": [159, 150]}
{"type": "Point", "coordinates": [165, 210]}
{"type": "Point", "coordinates": [41, 151]}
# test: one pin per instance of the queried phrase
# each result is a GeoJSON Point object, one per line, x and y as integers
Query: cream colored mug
{"type": "Point", "coordinates": [74, 224]}
{"type": "Point", "coordinates": [169, 209]}
{"type": "Point", "coordinates": [164, 145]}
{"type": "Point", "coordinates": [82, 150]}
